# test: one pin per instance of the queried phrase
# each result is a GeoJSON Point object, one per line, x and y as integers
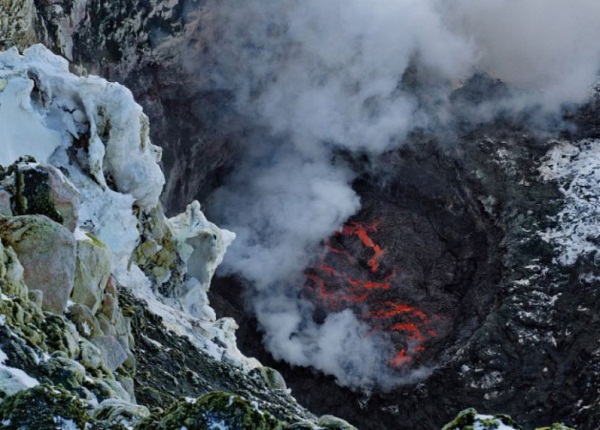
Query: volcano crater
{"type": "Point", "coordinates": [421, 262]}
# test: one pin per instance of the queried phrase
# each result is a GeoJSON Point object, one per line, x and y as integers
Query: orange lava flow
{"type": "Point", "coordinates": [398, 309]}
{"type": "Point", "coordinates": [401, 359]}
{"type": "Point", "coordinates": [362, 232]}
{"type": "Point", "coordinates": [408, 325]}
{"type": "Point", "coordinates": [413, 332]}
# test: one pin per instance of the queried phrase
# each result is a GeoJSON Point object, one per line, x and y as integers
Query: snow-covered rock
{"type": "Point", "coordinates": [13, 380]}
{"type": "Point", "coordinates": [203, 246]}
{"type": "Point", "coordinates": [470, 419]}
{"type": "Point", "coordinates": [91, 139]}
{"type": "Point", "coordinates": [105, 129]}
{"type": "Point", "coordinates": [575, 167]}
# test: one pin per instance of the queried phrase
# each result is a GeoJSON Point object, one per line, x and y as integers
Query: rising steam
{"type": "Point", "coordinates": [323, 76]}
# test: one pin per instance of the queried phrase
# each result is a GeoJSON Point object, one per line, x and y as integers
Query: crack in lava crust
{"type": "Point", "coordinates": [352, 274]}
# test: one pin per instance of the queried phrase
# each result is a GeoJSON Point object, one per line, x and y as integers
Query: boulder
{"type": "Point", "coordinates": [272, 378]}
{"type": "Point", "coordinates": [334, 423]}
{"type": "Point", "coordinates": [92, 272]}
{"type": "Point", "coordinates": [112, 352]}
{"type": "Point", "coordinates": [91, 356]}
{"type": "Point", "coordinates": [128, 385]}
{"type": "Point", "coordinates": [110, 307]}
{"type": "Point", "coordinates": [68, 373]}
{"type": "Point", "coordinates": [46, 250]}
{"type": "Point", "coordinates": [107, 327]}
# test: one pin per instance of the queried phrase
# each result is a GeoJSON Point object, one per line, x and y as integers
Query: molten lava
{"type": "Point", "coordinates": [352, 274]}
{"type": "Point", "coordinates": [362, 232]}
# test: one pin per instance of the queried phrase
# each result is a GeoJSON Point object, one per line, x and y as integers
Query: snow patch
{"type": "Point", "coordinates": [217, 425]}
{"type": "Point", "coordinates": [575, 167]}
{"type": "Point", "coordinates": [64, 424]}
{"type": "Point", "coordinates": [13, 380]}
{"type": "Point", "coordinates": [18, 108]}
{"type": "Point", "coordinates": [488, 422]}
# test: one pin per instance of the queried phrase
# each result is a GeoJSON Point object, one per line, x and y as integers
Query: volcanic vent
{"type": "Point", "coordinates": [354, 274]}
{"type": "Point", "coordinates": [414, 263]}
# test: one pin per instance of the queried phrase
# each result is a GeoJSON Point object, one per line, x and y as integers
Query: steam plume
{"type": "Point", "coordinates": [320, 76]}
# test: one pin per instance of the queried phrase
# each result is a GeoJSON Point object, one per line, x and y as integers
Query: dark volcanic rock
{"type": "Point", "coordinates": [169, 367]}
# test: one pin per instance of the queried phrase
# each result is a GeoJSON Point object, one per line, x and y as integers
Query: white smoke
{"type": "Point", "coordinates": [546, 46]}
{"type": "Point", "coordinates": [321, 76]}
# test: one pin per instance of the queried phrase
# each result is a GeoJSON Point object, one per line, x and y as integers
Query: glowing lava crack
{"type": "Point", "coordinates": [352, 275]}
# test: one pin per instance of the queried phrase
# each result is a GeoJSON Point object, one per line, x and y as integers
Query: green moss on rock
{"type": "Point", "coordinates": [55, 330]}
{"type": "Point", "coordinates": [234, 412]}
{"type": "Point", "coordinates": [157, 253]}
{"type": "Point", "coordinates": [42, 407]}
{"type": "Point", "coordinates": [330, 422]}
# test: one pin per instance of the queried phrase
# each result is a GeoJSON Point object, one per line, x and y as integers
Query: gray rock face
{"type": "Point", "coordinates": [46, 250]}
{"type": "Point", "coordinates": [17, 20]}
{"type": "Point", "coordinates": [64, 196]}
{"type": "Point", "coordinates": [91, 273]}
{"type": "Point", "coordinates": [112, 352]}
{"type": "Point", "coordinates": [5, 208]}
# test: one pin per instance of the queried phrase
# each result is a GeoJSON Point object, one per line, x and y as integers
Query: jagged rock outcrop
{"type": "Point", "coordinates": [470, 419]}
{"type": "Point", "coordinates": [94, 280]}
{"type": "Point", "coordinates": [92, 272]}
{"type": "Point", "coordinates": [18, 22]}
